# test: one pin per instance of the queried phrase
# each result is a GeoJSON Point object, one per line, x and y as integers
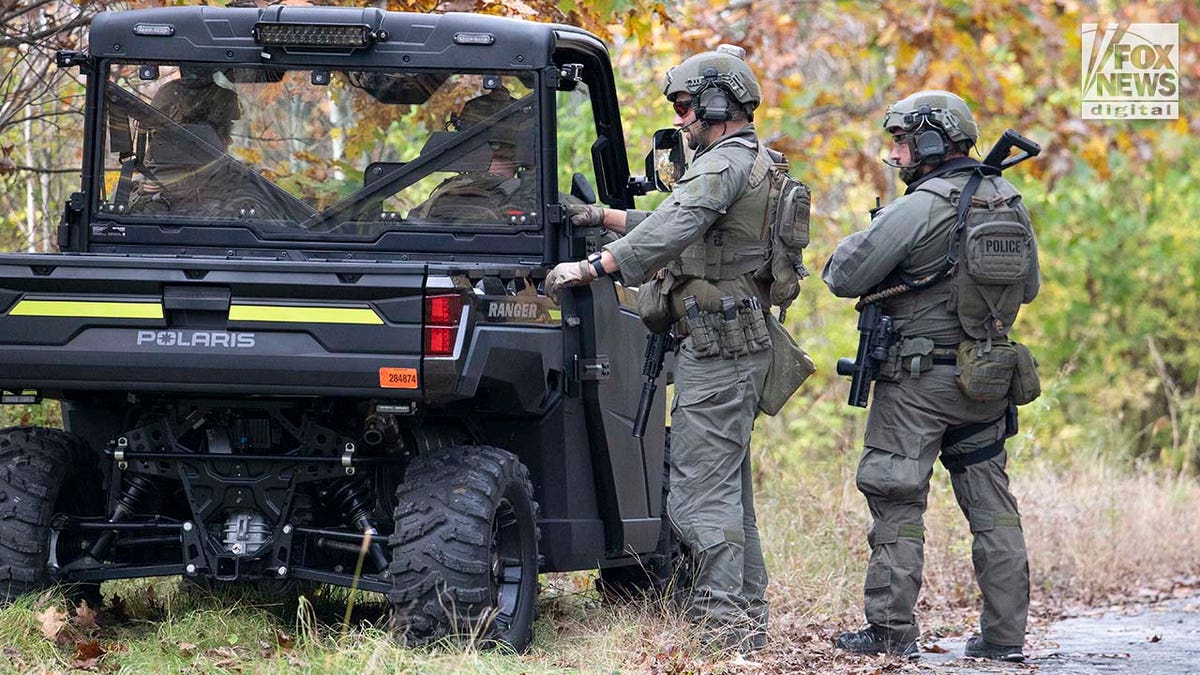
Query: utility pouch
{"type": "Point", "coordinates": [733, 338]}
{"type": "Point", "coordinates": [890, 368]}
{"type": "Point", "coordinates": [754, 324]}
{"type": "Point", "coordinates": [790, 367]}
{"type": "Point", "coordinates": [916, 356]}
{"type": "Point", "coordinates": [986, 368]}
{"type": "Point", "coordinates": [654, 302]}
{"type": "Point", "coordinates": [1026, 384]}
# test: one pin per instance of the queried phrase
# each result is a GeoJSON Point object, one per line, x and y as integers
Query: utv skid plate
{"type": "Point", "coordinates": [214, 483]}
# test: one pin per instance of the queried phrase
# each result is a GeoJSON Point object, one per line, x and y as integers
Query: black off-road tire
{"type": "Point", "coordinates": [464, 552]}
{"type": "Point", "coordinates": [42, 472]}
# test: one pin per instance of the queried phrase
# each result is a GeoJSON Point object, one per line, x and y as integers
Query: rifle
{"type": "Point", "coordinates": [874, 328]}
{"type": "Point", "coordinates": [998, 158]}
{"type": "Point", "coordinates": [657, 346]}
{"type": "Point", "coordinates": [875, 336]}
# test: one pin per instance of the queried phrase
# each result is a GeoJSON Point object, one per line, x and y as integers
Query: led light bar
{"type": "Point", "coordinates": [272, 34]}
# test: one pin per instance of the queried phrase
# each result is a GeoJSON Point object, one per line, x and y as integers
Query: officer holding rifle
{"type": "Point", "coordinates": [941, 272]}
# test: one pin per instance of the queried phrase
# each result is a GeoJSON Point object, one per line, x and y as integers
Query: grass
{"type": "Point", "coordinates": [1096, 531]}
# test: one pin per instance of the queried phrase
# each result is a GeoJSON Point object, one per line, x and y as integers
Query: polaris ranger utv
{"type": "Point", "coordinates": [281, 359]}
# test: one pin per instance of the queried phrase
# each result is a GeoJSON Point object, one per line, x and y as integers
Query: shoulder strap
{"type": "Point", "coordinates": [762, 165]}
{"type": "Point", "coordinates": [964, 204]}
{"type": "Point", "coordinates": [908, 284]}
{"type": "Point", "coordinates": [737, 140]}
{"type": "Point", "coordinates": [940, 187]}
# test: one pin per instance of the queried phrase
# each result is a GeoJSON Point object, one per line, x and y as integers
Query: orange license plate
{"type": "Point", "coordinates": [398, 378]}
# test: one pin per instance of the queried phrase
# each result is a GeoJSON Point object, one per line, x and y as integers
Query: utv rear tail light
{"type": "Point", "coordinates": [443, 310]}
{"type": "Point", "coordinates": [442, 316]}
{"type": "Point", "coordinates": [439, 340]}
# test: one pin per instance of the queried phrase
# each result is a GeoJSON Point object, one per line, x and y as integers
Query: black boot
{"type": "Point", "coordinates": [979, 648]}
{"type": "Point", "coordinates": [871, 641]}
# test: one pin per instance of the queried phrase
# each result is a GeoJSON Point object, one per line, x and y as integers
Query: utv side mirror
{"type": "Point", "coordinates": [582, 190]}
{"type": "Point", "coordinates": [665, 164]}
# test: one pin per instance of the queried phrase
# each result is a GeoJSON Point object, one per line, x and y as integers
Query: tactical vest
{"type": "Point", "coordinates": [735, 245]}
{"type": "Point", "coordinates": [992, 253]}
{"type": "Point", "coordinates": [476, 195]}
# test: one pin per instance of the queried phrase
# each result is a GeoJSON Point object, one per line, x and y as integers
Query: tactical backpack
{"type": "Point", "coordinates": [785, 224]}
{"type": "Point", "coordinates": [990, 257]}
{"type": "Point", "coordinates": [993, 251]}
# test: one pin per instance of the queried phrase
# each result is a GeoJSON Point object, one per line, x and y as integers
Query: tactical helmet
{"type": "Point", "coordinates": [484, 106]}
{"type": "Point", "coordinates": [946, 112]}
{"type": "Point", "coordinates": [725, 67]}
{"type": "Point", "coordinates": [198, 101]}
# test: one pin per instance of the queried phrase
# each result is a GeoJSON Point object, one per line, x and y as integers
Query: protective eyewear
{"type": "Point", "coordinates": [682, 107]}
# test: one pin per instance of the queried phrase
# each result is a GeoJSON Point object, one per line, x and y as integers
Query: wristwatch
{"type": "Point", "coordinates": [597, 267]}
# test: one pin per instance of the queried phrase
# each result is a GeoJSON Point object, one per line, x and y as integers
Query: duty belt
{"type": "Point", "coordinates": [944, 356]}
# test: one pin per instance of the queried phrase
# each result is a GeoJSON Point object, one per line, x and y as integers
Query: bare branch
{"type": "Point", "coordinates": [16, 11]}
{"type": "Point", "coordinates": [34, 38]}
{"type": "Point", "coordinates": [37, 169]}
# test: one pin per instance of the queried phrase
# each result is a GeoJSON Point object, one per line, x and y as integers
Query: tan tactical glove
{"type": "Point", "coordinates": [586, 215]}
{"type": "Point", "coordinates": [567, 274]}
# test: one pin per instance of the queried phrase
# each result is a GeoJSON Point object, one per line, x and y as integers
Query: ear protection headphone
{"type": "Point", "coordinates": [711, 101]}
{"type": "Point", "coordinates": [928, 145]}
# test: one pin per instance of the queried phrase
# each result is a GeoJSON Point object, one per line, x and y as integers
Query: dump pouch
{"type": "Point", "coordinates": [986, 368]}
{"type": "Point", "coordinates": [654, 302]}
{"type": "Point", "coordinates": [1026, 384]}
{"type": "Point", "coordinates": [790, 367]}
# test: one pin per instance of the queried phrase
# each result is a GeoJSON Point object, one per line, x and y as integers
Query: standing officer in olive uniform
{"type": "Point", "coordinates": [707, 237]}
{"type": "Point", "coordinates": [921, 410]}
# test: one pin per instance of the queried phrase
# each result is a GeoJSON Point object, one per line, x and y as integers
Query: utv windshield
{"type": "Point", "coordinates": [291, 151]}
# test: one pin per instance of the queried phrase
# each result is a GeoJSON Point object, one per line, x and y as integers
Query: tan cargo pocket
{"type": "Point", "coordinates": [985, 372]}
{"type": "Point", "coordinates": [1026, 384]}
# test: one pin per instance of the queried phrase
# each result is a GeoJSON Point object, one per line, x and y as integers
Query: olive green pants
{"type": "Point", "coordinates": [906, 431]}
{"type": "Point", "coordinates": [711, 502]}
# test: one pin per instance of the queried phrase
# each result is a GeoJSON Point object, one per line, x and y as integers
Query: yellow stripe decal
{"type": "Point", "coordinates": [286, 314]}
{"type": "Point", "coordinates": [88, 309]}
{"type": "Point", "coordinates": [555, 314]}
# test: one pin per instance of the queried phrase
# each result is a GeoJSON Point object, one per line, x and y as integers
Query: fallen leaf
{"type": "Point", "coordinates": [186, 648]}
{"type": "Point", "coordinates": [53, 622]}
{"type": "Point", "coordinates": [85, 617]}
{"type": "Point", "coordinates": [1155, 638]}
{"type": "Point", "coordinates": [117, 611]}
{"type": "Point", "coordinates": [934, 648]}
{"type": "Point", "coordinates": [284, 640]}
{"type": "Point", "coordinates": [88, 650]}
